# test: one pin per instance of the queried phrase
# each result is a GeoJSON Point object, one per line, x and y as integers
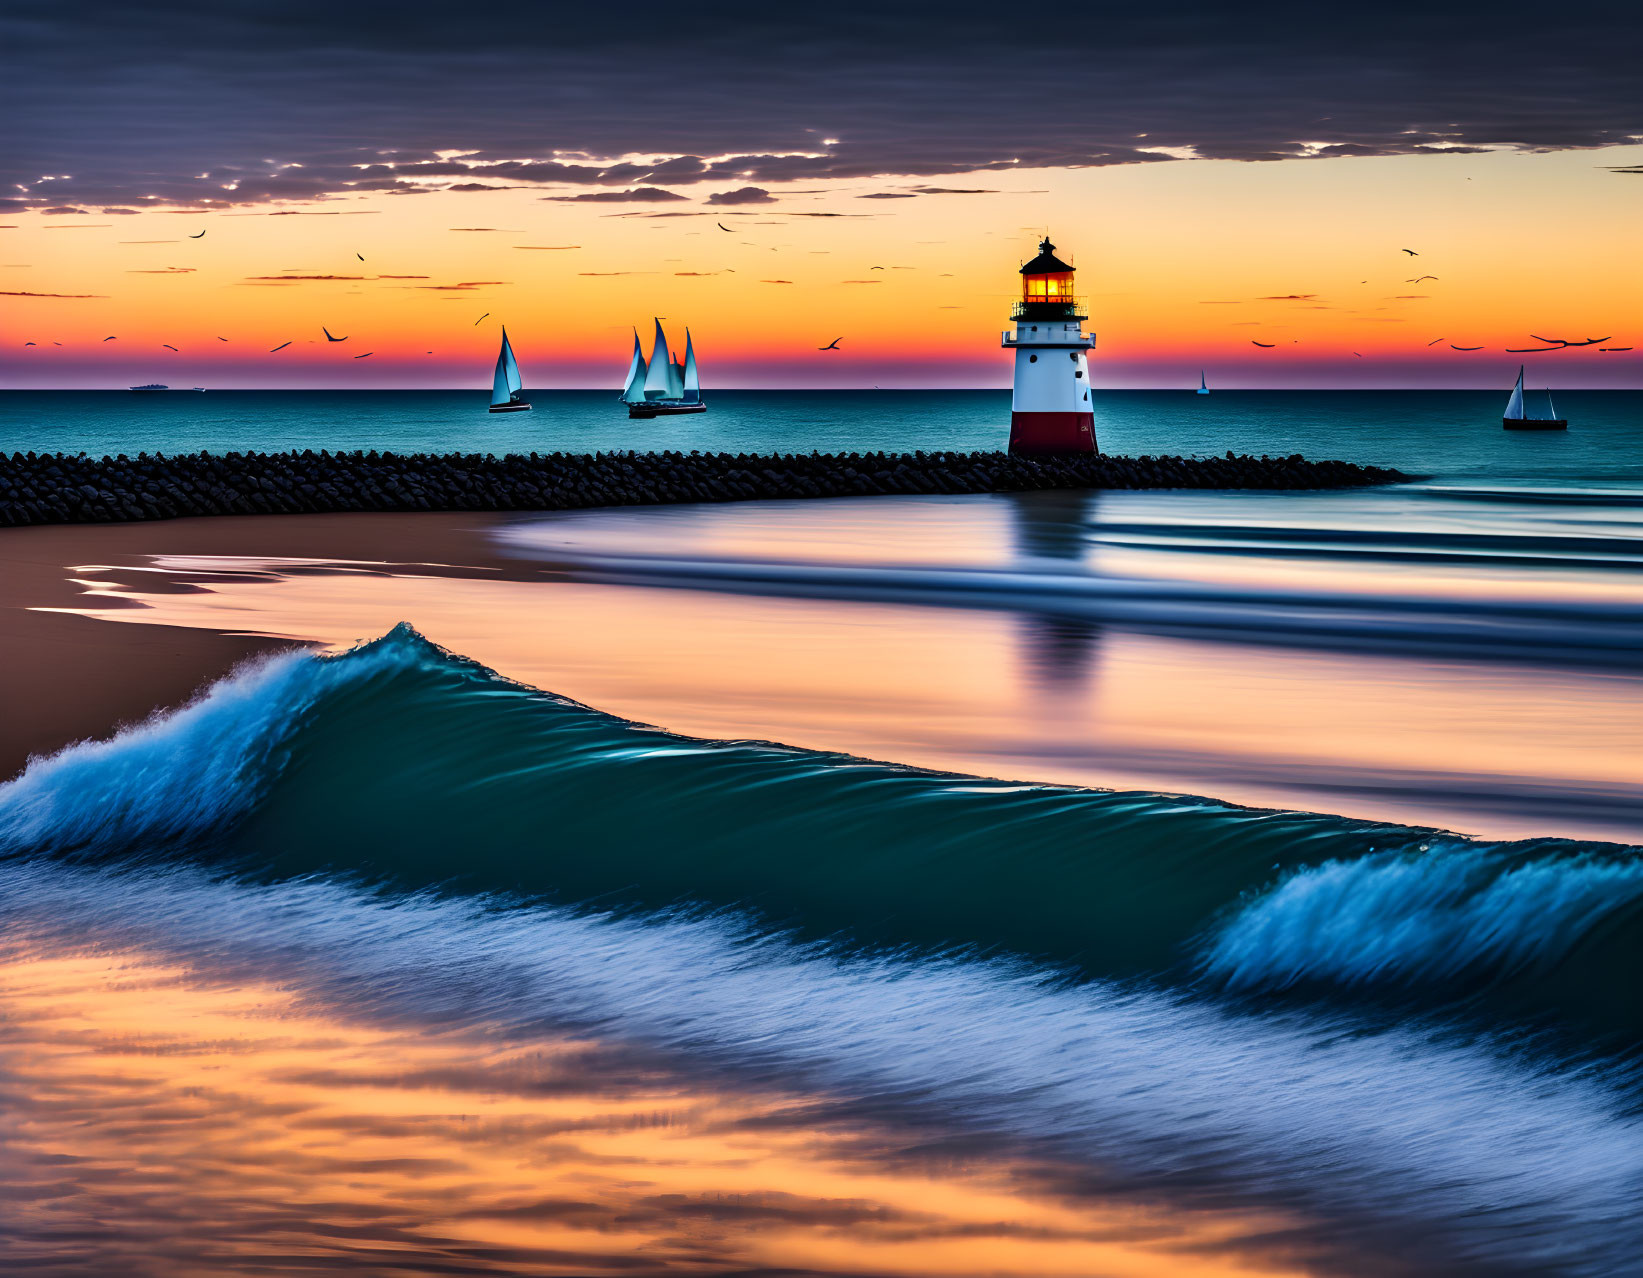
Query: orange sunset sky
{"type": "Point", "coordinates": [1183, 264]}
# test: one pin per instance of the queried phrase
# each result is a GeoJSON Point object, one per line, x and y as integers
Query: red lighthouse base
{"type": "Point", "coordinates": [1052, 433]}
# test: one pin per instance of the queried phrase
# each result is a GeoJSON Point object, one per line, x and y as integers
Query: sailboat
{"type": "Point", "coordinates": [1515, 419]}
{"type": "Point", "coordinates": [662, 386]}
{"type": "Point", "coordinates": [1203, 386]}
{"type": "Point", "coordinates": [506, 387]}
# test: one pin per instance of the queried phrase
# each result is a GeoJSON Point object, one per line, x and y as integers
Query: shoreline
{"type": "Point", "coordinates": [57, 488]}
{"type": "Point", "coordinates": [69, 677]}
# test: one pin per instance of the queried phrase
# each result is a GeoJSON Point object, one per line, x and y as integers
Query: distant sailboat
{"type": "Point", "coordinates": [633, 389]}
{"type": "Point", "coordinates": [663, 386]}
{"type": "Point", "coordinates": [1203, 386]}
{"type": "Point", "coordinates": [506, 386]}
{"type": "Point", "coordinates": [1515, 419]}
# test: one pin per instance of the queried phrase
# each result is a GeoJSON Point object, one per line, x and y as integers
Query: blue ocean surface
{"type": "Point", "coordinates": [1422, 432]}
{"type": "Point", "coordinates": [1414, 1047]}
{"type": "Point", "coordinates": [429, 954]}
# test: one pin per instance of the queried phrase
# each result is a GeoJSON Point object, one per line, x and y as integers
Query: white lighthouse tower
{"type": "Point", "coordinates": [1050, 412]}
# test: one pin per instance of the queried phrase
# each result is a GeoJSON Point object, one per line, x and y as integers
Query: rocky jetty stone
{"type": "Point", "coordinates": [56, 488]}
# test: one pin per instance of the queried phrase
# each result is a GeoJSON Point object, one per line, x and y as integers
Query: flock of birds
{"type": "Point", "coordinates": [1548, 343]}
{"type": "Point", "coordinates": [330, 337]}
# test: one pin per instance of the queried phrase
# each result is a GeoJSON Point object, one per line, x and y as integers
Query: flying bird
{"type": "Point", "coordinates": [1550, 341]}
{"type": "Point", "coordinates": [1411, 252]}
{"type": "Point", "coordinates": [1358, 354]}
{"type": "Point", "coordinates": [875, 268]}
{"type": "Point", "coordinates": [367, 355]}
{"type": "Point", "coordinates": [723, 227]}
{"type": "Point", "coordinates": [831, 346]}
{"type": "Point", "coordinates": [359, 255]}
{"type": "Point", "coordinates": [485, 316]}
{"type": "Point", "coordinates": [1453, 347]}
{"type": "Point", "coordinates": [1590, 341]}
{"type": "Point", "coordinates": [1434, 341]}
{"type": "Point", "coordinates": [200, 236]}
{"type": "Point", "coordinates": [170, 347]}
{"type": "Point", "coordinates": [31, 343]}
{"type": "Point", "coordinates": [1268, 345]}
{"type": "Point", "coordinates": [1419, 278]}
{"type": "Point", "coordinates": [1624, 348]}
{"type": "Point", "coordinates": [110, 339]}
{"type": "Point", "coordinates": [328, 336]}
{"type": "Point", "coordinates": [280, 347]}
{"type": "Point", "coordinates": [222, 339]}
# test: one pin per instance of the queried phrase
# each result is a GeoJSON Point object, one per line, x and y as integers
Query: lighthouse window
{"type": "Point", "coordinates": [1079, 373]}
{"type": "Point", "coordinates": [1032, 359]}
{"type": "Point", "coordinates": [1073, 355]}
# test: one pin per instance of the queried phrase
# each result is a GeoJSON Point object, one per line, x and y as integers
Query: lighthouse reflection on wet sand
{"type": "Point", "coordinates": [1050, 411]}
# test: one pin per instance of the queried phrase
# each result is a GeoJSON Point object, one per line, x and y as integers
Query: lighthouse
{"type": "Point", "coordinates": [1050, 411]}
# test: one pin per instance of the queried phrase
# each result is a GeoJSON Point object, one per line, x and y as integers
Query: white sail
{"type": "Point", "coordinates": [1514, 406]}
{"type": "Point", "coordinates": [1551, 409]}
{"type": "Point", "coordinates": [692, 380]}
{"type": "Point", "coordinates": [506, 385]}
{"type": "Point", "coordinates": [633, 389]}
{"type": "Point", "coordinates": [656, 376]}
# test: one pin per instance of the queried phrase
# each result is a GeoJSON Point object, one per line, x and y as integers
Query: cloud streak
{"type": "Point", "coordinates": [239, 103]}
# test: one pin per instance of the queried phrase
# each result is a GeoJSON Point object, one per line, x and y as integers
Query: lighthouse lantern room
{"type": "Point", "coordinates": [1050, 411]}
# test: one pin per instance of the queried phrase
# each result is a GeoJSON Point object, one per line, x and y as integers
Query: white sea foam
{"type": "Point", "coordinates": [1413, 917]}
{"type": "Point", "coordinates": [1512, 1164]}
{"type": "Point", "coordinates": [184, 772]}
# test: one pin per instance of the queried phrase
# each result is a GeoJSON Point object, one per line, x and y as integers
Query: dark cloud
{"type": "Point", "coordinates": [63, 296]}
{"type": "Point", "coordinates": [742, 195]}
{"type": "Point", "coordinates": [888, 195]}
{"type": "Point", "coordinates": [306, 101]}
{"type": "Point", "coordinates": [464, 287]}
{"type": "Point", "coordinates": [168, 270]}
{"type": "Point", "coordinates": [637, 195]}
{"type": "Point", "coordinates": [1289, 297]}
{"type": "Point", "coordinates": [294, 279]}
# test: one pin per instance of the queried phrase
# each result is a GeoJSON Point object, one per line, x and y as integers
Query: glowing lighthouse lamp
{"type": "Point", "coordinates": [1050, 411]}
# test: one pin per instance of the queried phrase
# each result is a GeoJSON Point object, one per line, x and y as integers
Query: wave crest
{"type": "Point", "coordinates": [1425, 916]}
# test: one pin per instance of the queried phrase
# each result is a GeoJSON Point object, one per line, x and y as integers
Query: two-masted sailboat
{"type": "Point", "coordinates": [505, 389]}
{"type": "Point", "coordinates": [662, 386]}
{"type": "Point", "coordinates": [1515, 419]}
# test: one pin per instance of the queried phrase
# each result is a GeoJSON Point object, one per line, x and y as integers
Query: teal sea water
{"type": "Point", "coordinates": [1423, 432]}
{"type": "Point", "coordinates": [1379, 1027]}
{"type": "Point", "coordinates": [1419, 1046]}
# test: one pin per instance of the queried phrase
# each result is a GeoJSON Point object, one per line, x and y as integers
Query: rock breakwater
{"type": "Point", "coordinates": [54, 488]}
